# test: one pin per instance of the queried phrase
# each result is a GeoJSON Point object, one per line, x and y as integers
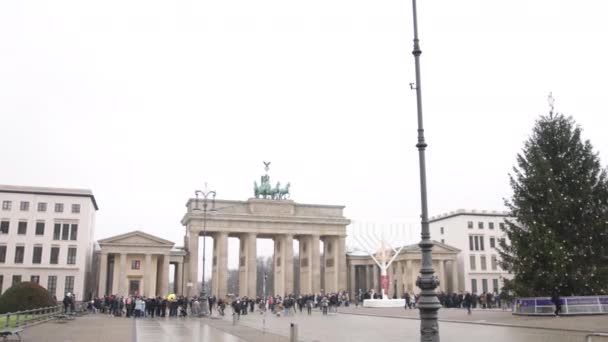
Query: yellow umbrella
{"type": "Point", "coordinates": [171, 296]}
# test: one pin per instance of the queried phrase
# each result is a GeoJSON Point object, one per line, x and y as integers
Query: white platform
{"type": "Point", "coordinates": [384, 303]}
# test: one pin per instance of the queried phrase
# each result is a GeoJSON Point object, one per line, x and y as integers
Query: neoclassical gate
{"type": "Point", "coordinates": [278, 219]}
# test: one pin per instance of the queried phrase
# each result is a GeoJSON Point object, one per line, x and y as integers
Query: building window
{"type": "Point", "coordinates": [329, 247]}
{"type": "Point", "coordinates": [472, 262]}
{"type": "Point", "coordinates": [16, 280]}
{"type": "Point", "coordinates": [72, 256]}
{"type": "Point", "coordinates": [480, 225]}
{"type": "Point", "coordinates": [69, 284]}
{"type": "Point", "coordinates": [476, 243]}
{"type": "Point", "coordinates": [484, 285]}
{"type": "Point", "coordinates": [495, 285]}
{"type": "Point", "coordinates": [74, 232]}
{"type": "Point", "coordinates": [41, 207]}
{"type": "Point", "coordinates": [501, 225]}
{"type": "Point", "coordinates": [24, 206]}
{"type": "Point", "coordinates": [441, 230]}
{"type": "Point", "coordinates": [22, 228]}
{"type": "Point", "coordinates": [473, 285]}
{"type": "Point", "coordinates": [304, 247]}
{"type": "Point", "coordinates": [483, 263]}
{"type": "Point", "coordinates": [491, 225]}
{"type": "Point", "coordinates": [492, 242]}
{"type": "Point", "coordinates": [75, 208]}
{"type": "Point", "coordinates": [135, 264]}
{"type": "Point", "coordinates": [1, 282]}
{"type": "Point", "coordinates": [19, 253]}
{"type": "Point", "coordinates": [4, 227]}
{"type": "Point", "coordinates": [51, 285]}
{"type": "Point", "coordinates": [54, 256]}
{"type": "Point", "coordinates": [35, 279]}
{"type": "Point", "coordinates": [58, 207]}
{"type": "Point", "coordinates": [2, 254]}
{"type": "Point", "coordinates": [6, 205]}
{"type": "Point", "coordinates": [494, 263]}
{"type": "Point", "coordinates": [442, 240]}
{"type": "Point", "coordinates": [470, 224]}
{"type": "Point", "coordinates": [57, 231]}
{"type": "Point", "coordinates": [37, 256]}
{"type": "Point", "coordinates": [40, 228]}
{"type": "Point", "coordinates": [65, 233]}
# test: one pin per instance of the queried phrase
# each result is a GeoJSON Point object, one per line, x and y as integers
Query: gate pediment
{"type": "Point", "coordinates": [136, 238]}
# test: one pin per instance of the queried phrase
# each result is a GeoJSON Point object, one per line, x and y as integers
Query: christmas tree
{"type": "Point", "coordinates": [558, 231]}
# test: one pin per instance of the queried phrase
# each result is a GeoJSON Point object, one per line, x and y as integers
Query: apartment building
{"type": "Point", "coordinates": [46, 236]}
{"type": "Point", "coordinates": [476, 233]}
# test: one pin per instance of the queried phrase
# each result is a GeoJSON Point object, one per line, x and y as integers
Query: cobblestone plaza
{"type": "Point", "coordinates": [351, 324]}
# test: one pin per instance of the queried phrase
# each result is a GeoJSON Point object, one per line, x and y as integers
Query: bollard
{"type": "Point", "coordinates": [293, 332]}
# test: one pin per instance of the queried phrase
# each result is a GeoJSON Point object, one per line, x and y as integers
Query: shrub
{"type": "Point", "coordinates": [25, 296]}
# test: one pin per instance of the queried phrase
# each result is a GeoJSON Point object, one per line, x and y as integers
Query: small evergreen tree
{"type": "Point", "coordinates": [558, 234]}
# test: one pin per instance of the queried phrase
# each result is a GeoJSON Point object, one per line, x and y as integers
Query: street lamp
{"type": "Point", "coordinates": [427, 281]}
{"type": "Point", "coordinates": [205, 197]}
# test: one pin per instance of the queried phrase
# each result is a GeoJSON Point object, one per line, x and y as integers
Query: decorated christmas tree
{"type": "Point", "coordinates": [558, 231]}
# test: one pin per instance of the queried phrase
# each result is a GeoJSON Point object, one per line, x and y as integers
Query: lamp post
{"type": "Point", "coordinates": [205, 197]}
{"type": "Point", "coordinates": [427, 281]}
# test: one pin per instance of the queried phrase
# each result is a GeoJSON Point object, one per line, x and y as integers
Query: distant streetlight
{"type": "Point", "coordinates": [205, 197]}
{"type": "Point", "coordinates": [427, 282]}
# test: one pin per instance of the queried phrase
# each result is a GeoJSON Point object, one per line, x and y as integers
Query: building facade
{"type": "Point", "coordinates": [46, 236]}
{"type": "Point", "coordinates": [364, 273]}
{"type": "Point", "coordinates": [137, 263]}
{"type": "Point", "coordinates": [477, 234]}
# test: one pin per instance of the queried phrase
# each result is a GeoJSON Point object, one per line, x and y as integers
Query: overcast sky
{"type": "Point", "coordinates": [144, 101]}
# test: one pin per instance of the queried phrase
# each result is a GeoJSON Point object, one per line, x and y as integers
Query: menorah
{"type": "Point", "coordinates": [379, 244]}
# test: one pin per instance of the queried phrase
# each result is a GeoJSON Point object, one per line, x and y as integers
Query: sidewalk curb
{"type": "Point", "coordinates": [484, 323]}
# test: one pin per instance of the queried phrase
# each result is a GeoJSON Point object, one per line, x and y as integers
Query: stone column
{"type": "Point", "coordinates": [376, 278]}
{"type": "Point", "coordinates": [148, 283]}
{"type": "Point", "coordinates": [247, 265]}
{"type": "Point", "coordinates": [331, 248]}
{"type": "Point", "coordinates": [252, 265]}
{"type": "Point", "coordinates": [368, 277]}
{"type": "Point", "coordinates": [192, 277]}
{"type": "Point", "coordinates": [164, 280]}
{"type": "Point", "coordinates": [315, 263]}
{"type": "Point", "coordinates": [441, 271]}
{"type": "Point", "coordinates": [341, 263]}
{"type": "Point", "coordinates": [219, 275]}
{"type": "Point", "coordinates": [352, 281]}
{"type": "Point", "coordinates": [122, 274]}
{"type": "Point", "coordinates": [399, 278]}
{"type": "Point", "coordinates": [455, 285]}
{"type": "Point", "coordinates": [103, 274]}
{"type": "Point", "coordinates": [305, 269]}
{"type": "Point", "coordinates": [410, 280]}
{"type": "Point", "coordinates": [179, 274]}
{"type": "Point", "coordinates": [283, 262]}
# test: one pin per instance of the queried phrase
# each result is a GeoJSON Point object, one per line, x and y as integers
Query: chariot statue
{"type": "Point", "coordinates": [267, 191]}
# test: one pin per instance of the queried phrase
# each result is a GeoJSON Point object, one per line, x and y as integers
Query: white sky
{"type": "Point", "coordinates": [144, 101]}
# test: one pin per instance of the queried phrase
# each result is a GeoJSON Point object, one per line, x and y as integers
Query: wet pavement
{"type": "Point", "coordinates": [352, 325]}
{"type": "Point", "coordinates": [365, 328]}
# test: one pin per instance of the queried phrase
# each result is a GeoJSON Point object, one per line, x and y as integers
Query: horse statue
{"type": "Point", "coordinates": [256, 189]}
{"type": "Point", "coordinates": [284, 192]}
{"type": "Point", "coordinates": [274, 193]}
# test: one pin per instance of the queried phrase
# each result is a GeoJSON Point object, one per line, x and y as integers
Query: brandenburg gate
{"type": "Point", "coordinates": [276, 218]}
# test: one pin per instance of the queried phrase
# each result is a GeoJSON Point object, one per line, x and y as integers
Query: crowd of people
{"type": "Point", "coordinates": [180, 306]}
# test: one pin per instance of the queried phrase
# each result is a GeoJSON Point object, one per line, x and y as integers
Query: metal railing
{"type": "Point", "coordinates": [589, 337]}
{"type": "Point", "coordinates": [28, 317]}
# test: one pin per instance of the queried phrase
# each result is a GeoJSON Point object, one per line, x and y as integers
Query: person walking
{"type": "Point", "coordinates": [555, 298]}
{"type": "Point", "coordinates": [468, 302]}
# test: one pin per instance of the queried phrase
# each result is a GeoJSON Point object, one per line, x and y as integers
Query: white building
{"type": "Point", "coordinates": [46, 236]}
{"type": "Point", "coordinates": [476, 233]}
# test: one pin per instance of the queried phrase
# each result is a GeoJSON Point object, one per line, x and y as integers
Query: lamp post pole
{"type": "Point", "coordinates": [205, 195]}
{"type": "Point", "coordinates": [427, 281]}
